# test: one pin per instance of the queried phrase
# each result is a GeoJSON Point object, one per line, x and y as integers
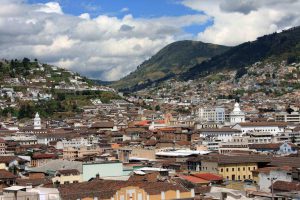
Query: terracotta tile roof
{"type": "Point", "coordinates": [105, 189]}
{"type": "Point", "coordinates": [224, 129]}
{"type": "Point", "coordinates": [202, 189]}
{"type": "Point", "coordinates": [266, 170]}
{"type": "Point", "coordinates": [209, 176]}
{"type": "Point", "coordinates": [103, 125]}
{"type": "Point", "coordinates": [67, 172]}
{"type": "Point", "coordinates": [167, 129]}
{"type": "Point", "coordinates": [150, 142]}
{"type": "Point", "coordinates": [8, 159]}
{"type": "Point", "coordinates": [33, 182]}
{"type": "Point", "coordinates": [273, 146]}
{"type": "Point", "coordinates": [225, 159]}
{"type": "Point", "coordinates": [194, 179]}
{"type": "Point", "coordinates": [43, 156]}
{"type": "Point", "coordinates": [140, 130]}
{"type": "Point", "coordinates": [142, 123]}
{"type": "Point", "coordinates": [4, 174]}
{"type": "Point", "coordinates": [286, 161]}
{"type": "Point", "coordinates": [183, 143]}
{"type": "Point", "coordinates": [159, 121]}
{"type": "Point", "coordinates": [150, 177]}
{"type": "Point", "coordinates": [286, 186]}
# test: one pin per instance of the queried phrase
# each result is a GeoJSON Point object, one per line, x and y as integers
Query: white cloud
{"type": "Point", "coordinates": [237, 21]}
{"type": "Point", "coordinates": [108, 47]}
{"type": "Point", "coordinates": [103, 47]}
{"type": "Point", "coordinates": [125, 10]}
{"type": "Point", "coordinates": [85, 16]}
{"type": "Point", "coordinates": [50, 7]}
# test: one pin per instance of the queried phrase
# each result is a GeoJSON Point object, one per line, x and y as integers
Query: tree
{"type": "Point", "coordinates": [289, 110]}
{"type": "Point", "coordinates": [293, 139]}
{"type": "Point", "coordinates": [157, 107]}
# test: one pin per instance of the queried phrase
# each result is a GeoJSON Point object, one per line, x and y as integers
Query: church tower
{"type": "Point", "coordinates": [237, 116]}
{"type": "Point", "coordinates": [37, 122]}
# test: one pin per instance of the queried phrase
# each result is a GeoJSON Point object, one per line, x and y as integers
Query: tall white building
{"type": "Point", "coordinates": [237, 116]}
{"type": "Point", "coordinates": [216, 114]}
{"type": "Point", "coordinates": [293, 117]}
{"type": "Point", "coordinates": [37, 122]}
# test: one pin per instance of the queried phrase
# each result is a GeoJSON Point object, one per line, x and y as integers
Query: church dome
{"type": "Point", "coordinates": [237, 110]}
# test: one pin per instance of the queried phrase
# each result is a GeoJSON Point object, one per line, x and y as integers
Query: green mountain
{"type": "Point", "coordinates": [172, 60]}
{"type": "Point", "coordinates": [277, 46]}
{"type": "Point", "coordinates": [52, 91]}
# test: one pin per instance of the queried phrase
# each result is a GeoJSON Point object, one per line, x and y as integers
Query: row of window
{"type": "Point", "coordinates": [239, 177]}
{"type": "Point", "coordinates": [238, 169]}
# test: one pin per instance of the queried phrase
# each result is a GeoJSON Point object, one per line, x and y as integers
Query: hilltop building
{"type": "Point", "coordinates": [237, 115]}
{"type": "Point", "coordinates": [37, 122]}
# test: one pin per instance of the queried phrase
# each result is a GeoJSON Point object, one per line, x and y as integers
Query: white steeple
{"type": "Point", "coordinates": [37, 122]}
{"type": "Point", "coordinates": [237, 116]}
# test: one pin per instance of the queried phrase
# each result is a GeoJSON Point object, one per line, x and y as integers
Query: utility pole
{"type": "Point", "coordinates": [272, 191]}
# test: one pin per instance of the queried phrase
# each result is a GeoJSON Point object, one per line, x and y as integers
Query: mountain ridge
{"type": "Point", "coordinates": [285, 44]}
{"type": "Point", "coordinates": [170, 61]}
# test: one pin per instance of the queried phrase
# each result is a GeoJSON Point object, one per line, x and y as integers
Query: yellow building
{"type": "Point", "coordinates": [67, 176]}
{"type": "Point", "coordinates": [125, 190]}
{"type": "Point", "coordinates": [234, 167]}
{"type": "Point", "coordinates": [72, 153]}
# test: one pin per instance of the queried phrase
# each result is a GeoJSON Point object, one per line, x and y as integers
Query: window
{"type": "Point", "coordinates": [233, 169]}
{"type": "Point", "coordinates": [227, 170]}
{"type": "Point", "coordinates": [244, 168]}
{"type": "Point", "coordinates": [221, 169]}
{"type": "Point", "coordinates": [238, 169]}
{"type": "Point", "coordinates": [249, 168]}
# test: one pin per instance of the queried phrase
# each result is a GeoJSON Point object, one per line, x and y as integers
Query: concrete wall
{"type": "Point", "coordinates": [90, 170]}
{"type": "Point", "coordinates": [265, 179]}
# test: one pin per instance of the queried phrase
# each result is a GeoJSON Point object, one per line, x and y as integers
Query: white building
{"type": "Point", "coordinates": [271, 127]}
{"type": "Point", "coordinates": [294, 117]}
{"type": "Point", "coordinates": [37, 122]}
{"type": "Point", "coordinates": [76, 142]}
{"type": "Point", "coordinates": [223, 134]}
{"type": "Point", "coordinates": [237, 116]}
{"type": "Point", "coordinates": [267, 174]}
{"type": "Point", "coordinates": [216, 114]}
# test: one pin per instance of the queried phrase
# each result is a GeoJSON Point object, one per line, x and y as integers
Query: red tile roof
{"type": "Point", "coordinates": [194, 179]}
{"type": "Point", "coordinates": [286, 186]}
{"type": "Point", "coordinates": [4, 174]}
{"type": "Point", "coordinates": [209, 176]}
{"type": "Point", "coordinates": [67, 172]}
{"type": "Point", "coordinates": [9, 159]}
{"type": "Point", "coordinates": [44, 156]}
{"type": "Point", "coordinates": [267, 170]}
{"type": "Point", "coordinates": [275, 146]}
{"type": "Point", "coordinates": [105, 189]}
{"type": "Point", "coordinates": [142, 123]}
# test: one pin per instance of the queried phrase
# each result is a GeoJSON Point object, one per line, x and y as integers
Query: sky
{"type": "Point", "coordinates": [108, 39]}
